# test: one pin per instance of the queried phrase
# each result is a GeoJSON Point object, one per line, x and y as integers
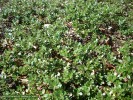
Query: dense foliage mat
{"type": "Point", "coordinates": [67, 49]}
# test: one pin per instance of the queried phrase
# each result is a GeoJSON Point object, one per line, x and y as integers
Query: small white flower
{"type": "Point", "coordinates": [19, 53]}
{"type": "Point", "coordinates": [58, 74]}
{"type": "Point", "coordinates": [128, 77]}
{"type": "Point", "coordinates": [93, 72]}
{"type": "Point", "coordinates": [115, 73]}
{"type": "Point", "coordinates": [39, 59]}
{"type": "Point", "coordinates": [110, 92]}
{"type": "Point", "coordinates": [113, 95]}
{"type": "Point", "coordinates": [43, 91]}
{"type": "Point", "coordinates": [17, 44]}
{"type": "Point", "coordinates": [10, 34]}
{"type": "Point", "coordinates": [23, 93]}
{"type": "Point", "coordinates": [70, 94]}
{"type": "Point", "coordinates": [119, 75]}
{"type": "Point", "coordinates": [59, 85]}
{"type": "Point", "coordinates": [102, 82]}
{"type": "Point", "coordinates": [109, 83]}
{"type": "Point", "coordinates": [46, 25]}
{"type": "Point", "coordinates": [110, 27]}
{"type": "Point", "coordinates": [80, 93]}
{"type": "Point", "coordinates": [104, 94]}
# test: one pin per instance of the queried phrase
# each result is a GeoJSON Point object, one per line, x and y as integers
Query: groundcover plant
{"type": "Point", "coordinates": [66, 49]}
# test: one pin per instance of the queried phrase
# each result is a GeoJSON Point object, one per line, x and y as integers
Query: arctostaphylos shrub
{"type": "Point", "coordinates": [66, 50]}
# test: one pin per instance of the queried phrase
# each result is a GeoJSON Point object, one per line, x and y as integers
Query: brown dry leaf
{"type": "Point", "coordinates": [19, 62]}
{"type": "Point", "coordinates": [40, 87]}
{"type": "Point", "coordinates": [24, 81]}
{"type": "Point", "coordinates": [109, 41]}
{"type": "Point", "coordinates": [102, 29]}
{"type": "Point", "coordinates": [125, 80]}
{"type": "Point", "coordinates": [55, 54]}
{"type": "Point", "coordinates": [109, 66]}
{"type": "Point", "coordinates": [69, 25]}
{"type": "Point", "coordinates": [7, 44]}
{"type": "Point", "coordinates": [35, 48]}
